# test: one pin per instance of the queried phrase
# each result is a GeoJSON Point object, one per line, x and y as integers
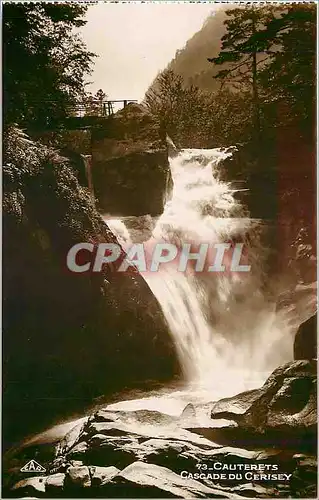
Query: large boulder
{"type": "Point", "coordinates": [283, 412]}
{"type": "Point", "coordinates": [145, 453]}
{"type": "Point", "coordinates": [287, 402]}
{"type": "Point", "coordinates": [68, 337]}
{"type": "Point", "coordinates": [305, 344]}
{"type": "Point", "coordinates": [130, 168]}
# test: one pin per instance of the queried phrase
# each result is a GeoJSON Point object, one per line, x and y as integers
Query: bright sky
{"type": "Point", "coordinates": [136, 40]}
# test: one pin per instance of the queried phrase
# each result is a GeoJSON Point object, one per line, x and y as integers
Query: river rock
{"type": "Point", "coordinates": [78, 476]}
{"type": "Point", "coordinates": [230, 408]}
{"type": "Point", "coordinates": [147, 478]}
{"type": "Point", "coordinates": [305, 344]}
{"type": "Point", "coordinates": [287, 409]}
{"type": "Point", "coordinates": [31, 486]}
{"type": "Point", "coordinates": [54, 482]}
{"type": "Point", "coordinates": [102, 475]}
{"type": "Point", "coordinates": [143, 453]}
{"type": "Point", "coordinates": [72, 436]}
{"type": "Point", "coordinates": [304, 478]}
{"type": "Point", "coordinates": [78, 451]}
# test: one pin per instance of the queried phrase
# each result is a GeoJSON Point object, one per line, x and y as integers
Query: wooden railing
{"type": "Point", "coordinates": [99, 108]}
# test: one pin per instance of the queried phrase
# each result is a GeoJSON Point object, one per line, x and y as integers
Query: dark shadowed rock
{"type": "Point", "coordinates": [68, 337]}
{"type": "Point", "coordinates": [285, 413]}
{"type": "Point", "coordinates": [30, 486]}
{"type": "Point", "coordinates": [143, 453]}
{"type": "Point", "coordinates": [131, 174]}
{"type": "Point", "coordinates": [78, 477]}
{"type": "Point", "coordinates": [304, 478]}
{"type": "Point", "coordinates": [140, 475]}
{"type": "Point", "coordinates": [305, 344]}
{"type": "Point", "coordinates": [102, 475]}
{"type": "Point", "coordinates": [55, 483]}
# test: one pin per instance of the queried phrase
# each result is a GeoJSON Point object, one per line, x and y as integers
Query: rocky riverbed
{"type": "Point", "coordinates": [260, 443]}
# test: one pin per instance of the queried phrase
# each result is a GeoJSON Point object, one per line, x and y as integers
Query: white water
{"type": "Point", "coordinates": [228, 336]}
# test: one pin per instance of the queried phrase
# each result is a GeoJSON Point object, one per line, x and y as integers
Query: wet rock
{"type": "Point", "coordinates": [304, 478]}
{"type": "Point", "coordinates": [281, 413]}
{"type": "Point", "coordinates": [140, 228]}
{"type": "Point", "coordinates": [179, 455]}
{"type": "Point", "coordinates": [118, 450]}
{"type": "Point", "coordinates": [104, 416]}
{"type": "Point", "coordinates": [31, 486]}
{"type": "Point", "coordinates": [188, 417]}
{"type": "Point", "coordinates": [288, 400]}
{"type": "Point", "coordinates": [148, 417]}
{"type": "Point", "coordinates": [71, 437]}
{"type": "Point", "coordinates": [252, 490]}
{"type": "Point", "coordinates": [163, 482]}
{"type": "Point", "coordinates": [102, 475]}
{"type": "Point", "coordinates": [285, 412]}
{"type": "Point", "coordinates": [230, 408]}
{"type": "Point", "coordinates": [305, 344]}
{"type": "Point", "coordinates": [132, 184]}
{"type": "Point", "coordinates": [78, 451]}
{"type": "Point", "coordinates": [78, 477]}
{"type": "Point", "coordinates": [97, 440]}
{"type": "Point", "coordinates": [54, 483]}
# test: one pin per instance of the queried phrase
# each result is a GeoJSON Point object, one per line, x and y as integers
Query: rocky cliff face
{"type": "Point", "coordinates": [67, 337]}
{"type": "Point", "coordinates": [130, 169]}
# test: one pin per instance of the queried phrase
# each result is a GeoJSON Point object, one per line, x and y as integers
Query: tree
{"type": "Point", "coordinates": [273, 48]}
{"type": "Point", "coordinates": [241, 50]}
{"type": "Point", "coordinates": [178, 108]}
{"type": "Point", "coordinates": [196, 118]}
{"type": "Point", "coordinates": [94, 104]}
{"type": "Point", "coordinates": [44, 61]}
{"type": "Point", "coordinates": [164, 99]}
{"type": "Point", "coordinates": [288, 80]}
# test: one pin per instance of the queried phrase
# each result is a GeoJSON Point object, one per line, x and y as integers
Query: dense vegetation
{"type": "Point", "coordinates": [266, 75]}
{"type": "Point", "coordinates": [45, 61]}
{"type": "Point", "coordinates": [247, 79]}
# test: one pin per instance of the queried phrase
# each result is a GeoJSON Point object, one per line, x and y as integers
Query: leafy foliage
{"type": "Point", "coordinates": [44, 61]}
{"type": "Point", "coordinates": [36, 175]}
{"type": "Point", "coordinates": [274, 49]}
{"type": "Point", "coordinates": [197, 118]}
{"type": "Point", "coordinates": [93, 104]}
{"type": "Point", "coordinates": [266, 68]}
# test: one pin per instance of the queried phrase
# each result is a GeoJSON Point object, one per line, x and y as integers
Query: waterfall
{"type": "Point", "coordinates": [226, 331]}
{"type": "Point", "coordinates": [87, 159]}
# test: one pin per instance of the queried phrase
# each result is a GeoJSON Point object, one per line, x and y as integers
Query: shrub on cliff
{"type": "Point", "coordinates": [36, 174]}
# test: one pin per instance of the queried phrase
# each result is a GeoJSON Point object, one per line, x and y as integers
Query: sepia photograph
{"type": "Point", "coordinates": [159, 229]}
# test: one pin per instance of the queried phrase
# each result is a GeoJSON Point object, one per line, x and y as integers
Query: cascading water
{"type": "Point", "coordinates": [228, 336]}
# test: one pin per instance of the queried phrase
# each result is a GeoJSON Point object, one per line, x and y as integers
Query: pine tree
{"type": "Point", "coordinates": [288, 80]}
{"type": "Point", "coordinates": [241, 52]}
